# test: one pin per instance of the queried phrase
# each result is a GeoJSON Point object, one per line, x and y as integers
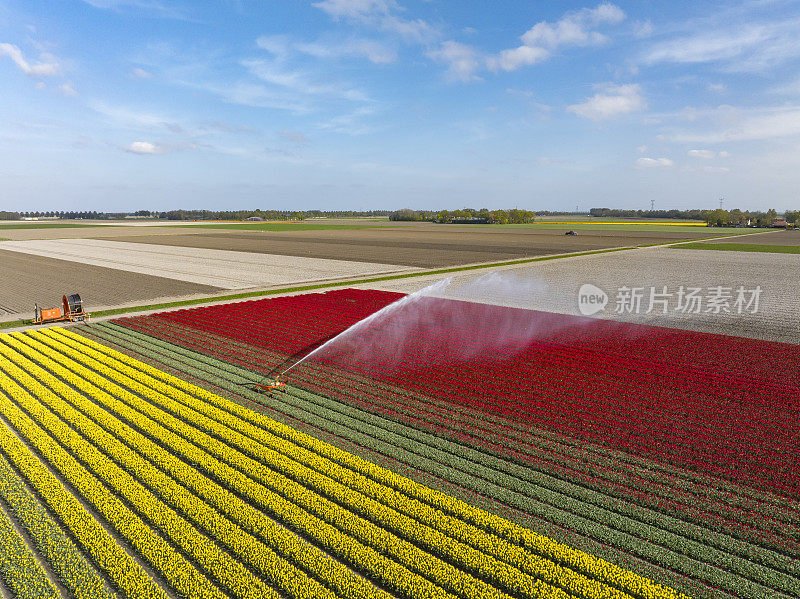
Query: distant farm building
{"type": "Point", "coordinates": [255, 218]}
{"type": "Point", "coordinates": [779, 223]}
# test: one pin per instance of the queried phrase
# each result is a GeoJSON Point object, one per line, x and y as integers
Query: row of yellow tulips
{"type": "Point", "coordinates": [128, 576]}
{"type": "Point", "coordinates": [207, 554]}
{"type": "Point", "coordinates": [435, 569]}
{"type": "Point", "coordinates": [579, 561]}
{"type": "Point", "coordinates": [173, 506]}
{"type": "Point", "coordinates": [53, 545]}
{"type": "Point", "coordinates": [20, 571]}
{"type": "Point", "coordinates": [108, 438]}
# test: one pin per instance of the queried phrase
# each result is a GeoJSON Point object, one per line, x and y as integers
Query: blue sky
{"type": "Point", "coordinates": [364, 104]}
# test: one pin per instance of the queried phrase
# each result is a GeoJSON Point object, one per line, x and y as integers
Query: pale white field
{"type": "Point", "coordinates": [554, 285]}
{"type": "Point", "coordinates": [220, 268]}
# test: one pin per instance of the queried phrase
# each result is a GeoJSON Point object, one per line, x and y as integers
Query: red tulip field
{"type": "Point", "coordinates": [672, 454]}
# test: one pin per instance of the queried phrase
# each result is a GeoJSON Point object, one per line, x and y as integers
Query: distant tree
{"type": "Point", "coordinates": [405, 214]}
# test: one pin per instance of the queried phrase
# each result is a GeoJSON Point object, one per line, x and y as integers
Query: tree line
{"type": "Point", "coordinates": [199, 214]}
{"type": "Point", "coordinates": [715, 218]}
{"type": "Point", "coordinates": [465, 215]}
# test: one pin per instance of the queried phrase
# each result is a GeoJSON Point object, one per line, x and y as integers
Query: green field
{"type": "Point", "coordinates": [628, 226]}
{"type": "Point", "coordinates": [740, 247]}
{"type": "Point", "coordinates": [615, 219]}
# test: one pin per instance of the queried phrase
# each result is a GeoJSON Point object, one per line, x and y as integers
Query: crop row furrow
{"type": "Point", "coordinates": [222, 408]}
{"type": "Point", "coordinates": [717, 567]}
{"type": "Point", "coordinates": [186, 578]}
{"type": "Point", "coordinates": [128, 576]}
{"type": "Point", "coordinates": [646, 474]}
{"type": "Point", "coordinates": [74, 572]}
{"type": "Point", "coordinates": [247, 549]}
{"type": "Point", "coordinates": [20, 571]}
{"type": "Point", "coordinates": [283, 540]}
{"type": "Point", "coordinates": [466, 557]}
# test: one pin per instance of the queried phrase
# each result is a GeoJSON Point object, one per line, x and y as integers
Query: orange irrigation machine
{"type": "Point", "coordinates": [267, 385]}
{"type": "Point", "coordinates": [71, 311]}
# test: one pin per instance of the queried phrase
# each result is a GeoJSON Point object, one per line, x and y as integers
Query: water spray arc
{"type": "Point", "coordinates": [433, 289]}
{"type": "Point", "coordinates": [433, 333]}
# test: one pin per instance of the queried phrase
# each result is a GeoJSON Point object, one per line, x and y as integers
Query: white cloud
{"type": "Point", "coordinates": [257, 96]}
{"type": "Point", "coordinates": [641, 149]}
{"type": "Point", "coordinates": [279, 45]}
{"type": "Point", "coordinates": [654, 163]}
{"type": "Point", "coordinates": [574, 28]}
{"type": "Point", "coordinates": [742, 47]}
{"type": "Point", "coordinates": [68, 90]}
{"type": "Point", "coordinates": [462, 60]}
{"type": "Point", "coordinates": [298, 81]}
{"type": "Point", "coordinates": [791, 88]}
{"type": "Point", "coordinates": [705, 154]}
{"type": "Point", "coordinates": [511, 60]}
{"type": "Point", "coordinates": [642, 29]}
{"type": "Point", "coordinates": [155, 6]}
{"type": "Point", "coordinates": [354, 9]}
{"type": "Point", "coordinates": [373, 50]}
{"type": "Point", "coordinates": [46, 68]}
{"type": "Point", "coordinates": [133, 118]}
{"type": "Point", "coordinates": [706, 47]}
{"type": "Point", "coordinates": [144, 147]}
{"type": "Point", "coordinates": [544, 38]}
{"type": "Point", "coordinates": [141, 74]}
{"type": "Point", "coordinates": [293, 136]}
{"type": "Point", "coordinates": [383, 14]}
{"type": "Point", "coordinates": [612, 101]}
{"type": "Point", "coordinates": [724, 154]}
{"type": "Point", "coordinates": [416, 30]}
{"type": "Point", "coordinates": [734, 124]}
{"type": "Point", "coordinates": [351, 123]}
{"type": "Point", "coordinates": [538, 43]}
{"type": "Point", "coordinates": [716, 87]}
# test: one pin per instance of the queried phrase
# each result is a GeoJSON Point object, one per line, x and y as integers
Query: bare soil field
{"type": "Point", "coordinates": [113, 232]}
{"type": "Point", "coordinates": [787, 238]}
{"type": "Point", "coordinates": [220, 268]}
{"type": "Point", "coordinates": [27, 279]}
{"type": "Point", "coordinates": [553, 286]}
{"type": "Point", "coordinates": [421, 245]}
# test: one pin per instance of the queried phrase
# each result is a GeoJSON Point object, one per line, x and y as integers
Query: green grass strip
{"type": "Point", "coordinates": [740, 247]}
{"type": "Point", "coordinates": [648, 227]}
